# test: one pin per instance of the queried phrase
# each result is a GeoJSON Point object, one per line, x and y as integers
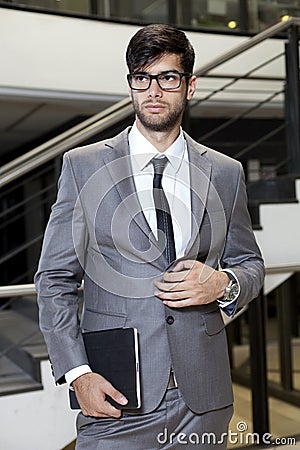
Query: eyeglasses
{"type": "Point", "coordinates": [167, 81]}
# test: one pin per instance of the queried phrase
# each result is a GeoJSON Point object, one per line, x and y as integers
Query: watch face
{"type": "Point", "coordinates": [233, 291]}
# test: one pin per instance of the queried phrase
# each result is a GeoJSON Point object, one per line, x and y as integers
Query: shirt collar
{"type": "Point", "coordinates": [143, 151]}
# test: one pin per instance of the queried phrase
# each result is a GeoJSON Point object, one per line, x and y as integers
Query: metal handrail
{"type": "Point", "coordinates": [65, 134]}
{"type": "Point", "coordinates": [251, 42]}
{"type": "Point", "coordinates": [64, 141]}
{"type": "Point", "coordinates": [29, 289]}
{"type": "Point", "coordinates": [272, 269]}
{"type": "Point", "coordinates": [17, 290]}
{"type": "Point", "coordinates": [115, 113]}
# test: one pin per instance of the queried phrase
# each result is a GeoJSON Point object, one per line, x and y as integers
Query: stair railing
{"type": "Point", "coordinates": [64, 141]}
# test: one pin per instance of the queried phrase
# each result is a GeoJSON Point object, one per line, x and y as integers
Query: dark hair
{"type": "Point", "coordinates": [151, 42]}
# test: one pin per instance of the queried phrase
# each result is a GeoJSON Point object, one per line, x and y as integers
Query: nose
{"type": "Point", "coordinates": [154, 90]}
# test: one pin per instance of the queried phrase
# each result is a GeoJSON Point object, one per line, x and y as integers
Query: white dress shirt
{"type": "Point", "coordinates": [175, 182]}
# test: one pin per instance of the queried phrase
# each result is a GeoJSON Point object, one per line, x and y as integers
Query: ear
{"type": "Point", "coordinates": [191, 87]}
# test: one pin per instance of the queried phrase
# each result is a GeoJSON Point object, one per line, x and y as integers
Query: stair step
{"type": "Point", "coordinates": [20, 321]}
{"type": "Point", "coordinates": [280, 189]}
{"type": "Point", "coordinates": [254, 210]}
{"type": "Point", "coordinates": [19, 385]}
{"type": "Point", "coordinates": [14, 380]}
{"type": "Point", "coordinates": [22, 347]}
{"type": "Point", "coordinates": [269, 191]}
{"type": "Point", "coordinates": [38, 352]}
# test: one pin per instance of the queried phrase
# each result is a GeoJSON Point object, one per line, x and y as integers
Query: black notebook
{"type": "Point", "coordinates": [114, 355]}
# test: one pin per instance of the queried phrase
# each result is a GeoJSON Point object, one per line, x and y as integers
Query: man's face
{"type": "Point", "coordinates": [160, 110]}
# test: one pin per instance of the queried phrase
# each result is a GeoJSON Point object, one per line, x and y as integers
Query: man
{"type": "Point", "coordinates": [157, 227]}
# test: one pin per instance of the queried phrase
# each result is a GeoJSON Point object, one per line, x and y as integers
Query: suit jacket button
{"type": "Point", "coordinates": [170, 320]}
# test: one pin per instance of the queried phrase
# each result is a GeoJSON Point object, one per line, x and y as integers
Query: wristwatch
{"type": "Point", "coordinates": [231, 292]}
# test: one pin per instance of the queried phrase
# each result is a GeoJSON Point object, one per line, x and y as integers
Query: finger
{"type": "Point", "coordinates": [174, 295]}
{"type": "Point", "coordinates": [183, 265]}
{"type": "Point", "coordinates": [178, 304]}
{"type": "Point", "coordinates": [116, 395]}
{"type": "Point", "coordinates": [181, 286]}
{"type": "Point", "coordinates": [166, 287]}
{"type": "Point", "coordinates": [105, 411]}
{"type": "Point", "coordinates": [186, 265]}
{"type": "Point", "coordinates": [172, 277]}
{"type": "Point", "coordinates": [105, 407]}
{"type": "Point", "coordinates": [98, 406]}
{"type": "Point", "coordinates": [111, 411]}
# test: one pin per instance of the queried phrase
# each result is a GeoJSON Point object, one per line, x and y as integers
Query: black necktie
{"type": "Point", "coordinates": [163, 216]}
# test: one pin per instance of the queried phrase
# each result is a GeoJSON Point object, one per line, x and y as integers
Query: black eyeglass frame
{"type": "Point", "coordinates": [155, 77]}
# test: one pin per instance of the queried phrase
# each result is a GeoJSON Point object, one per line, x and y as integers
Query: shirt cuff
{"type": "Point", "coordinates": [72, 374]}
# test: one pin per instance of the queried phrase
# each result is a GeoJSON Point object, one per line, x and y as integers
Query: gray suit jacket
{"type": "Point", "coordinates": [98, 233]}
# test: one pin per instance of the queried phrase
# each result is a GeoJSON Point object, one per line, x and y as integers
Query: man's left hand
{"type": "Point", "coordinates": [191, 283]}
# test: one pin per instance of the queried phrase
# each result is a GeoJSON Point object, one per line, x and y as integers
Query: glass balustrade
{"type": "Point", "coordinates": [234, 16]}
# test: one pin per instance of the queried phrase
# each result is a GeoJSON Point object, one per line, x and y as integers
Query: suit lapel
{"type": "Point", "coordinates": [200, 175]}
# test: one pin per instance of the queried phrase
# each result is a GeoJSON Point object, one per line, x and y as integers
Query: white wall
{"type": "Point", "coordinates": [39, 420]}
{"type": "Point", "coordinates": [62, 53]}
{"type": "Point", "coordinates": [280, 234]}
{"type": "Point", "coordinates": [279, 238]}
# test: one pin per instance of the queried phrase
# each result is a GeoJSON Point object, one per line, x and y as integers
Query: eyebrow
{"type": "Point", "coordinates": [159, 73]}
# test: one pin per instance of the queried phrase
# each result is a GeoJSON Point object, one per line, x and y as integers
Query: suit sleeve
{"type": "Point", "coordinates": [59, 276]}
{"type": "Point", "coordinates": [241, 253]}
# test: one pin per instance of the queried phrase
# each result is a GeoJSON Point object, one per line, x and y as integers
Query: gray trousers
{"type": "Point", "coordinates": [171, 426]}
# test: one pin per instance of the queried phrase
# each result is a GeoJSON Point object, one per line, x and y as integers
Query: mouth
{"type": "Point", "coordinates": [155, 107]}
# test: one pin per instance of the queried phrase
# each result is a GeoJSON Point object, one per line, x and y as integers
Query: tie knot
{"type": "Point", "coordinates": [159, 164]}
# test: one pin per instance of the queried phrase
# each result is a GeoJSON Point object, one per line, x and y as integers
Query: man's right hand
{"type": "Point", "coordinates": [91, 390]}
